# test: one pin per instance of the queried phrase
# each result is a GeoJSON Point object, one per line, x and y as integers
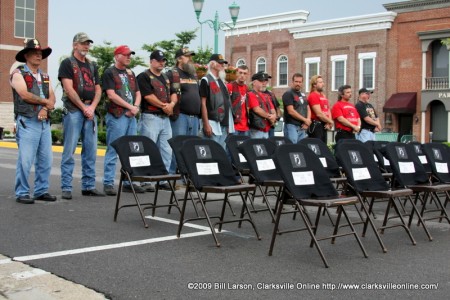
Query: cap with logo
{"type": "Point", "coordinates": [32, 44]}
{"type": "Point", "coordinates": [184, 51]}
{"type": "Point", "coordinates": [218, 58]}
{"type": "Point", "coordinates": [261, 76]}
{"type": "Point", "coordinates": [158, 55]}
{"type": "Point", "coordinates": [81, 37]}
{"type": "Point", "coordinates": [124, 50]}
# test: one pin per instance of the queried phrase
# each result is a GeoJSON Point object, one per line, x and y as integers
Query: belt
{"type": "Point", "coordinates": [371, 130]}
{"type": "Point", "coordinates": [190, 116]}
{"type": "Point", "coordinates": [159, 114]}
{"type": "Point", "coordinates": [342, 130]}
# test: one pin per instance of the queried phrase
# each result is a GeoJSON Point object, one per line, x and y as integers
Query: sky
{"type": "Point", "coordinates": [138, 22]}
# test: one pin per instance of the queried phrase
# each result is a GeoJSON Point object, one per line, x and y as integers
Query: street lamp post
{"type": "Point", "coordinates": [215, 24]}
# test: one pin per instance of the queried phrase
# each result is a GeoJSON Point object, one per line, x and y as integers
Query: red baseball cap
{"type": "Point", "coordinates": [123, 49]}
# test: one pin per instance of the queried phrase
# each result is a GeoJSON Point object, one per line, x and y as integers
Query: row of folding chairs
{"type": "Point", "coordinates": [301, 175]}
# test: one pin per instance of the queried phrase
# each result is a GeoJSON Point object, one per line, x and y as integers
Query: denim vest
{"type": "Point", "coordinates": [20, 106]}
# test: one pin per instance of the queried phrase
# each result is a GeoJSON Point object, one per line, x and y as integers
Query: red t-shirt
{"type": "Point", "coordinates": [243, 124]}
{"type": "Point", "coordinates": [346, 110]}
{"type": "Point", "coordinates": [315, 98]}
{"type": "Point", "coordinates": [267, 105]}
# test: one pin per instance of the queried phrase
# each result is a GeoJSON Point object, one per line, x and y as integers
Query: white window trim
{"type": "Point", "coordinates": [240, 59]}
{"type": "Point", "coordinates": [308, 61]}
{"type": "Point", "coordinates": [334, 59]}
{"type": "Point", "coordinates": [361, 57]}
{"type": "Point", "coordinates": [34, 22]}
{"type": "Point", "coordinates": [257, 64]}
{"type": "Point", "coordinates": [278, 70]}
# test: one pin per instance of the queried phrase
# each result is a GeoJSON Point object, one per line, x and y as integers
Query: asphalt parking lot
{"type": "Point", "coordinates": [76, 242]}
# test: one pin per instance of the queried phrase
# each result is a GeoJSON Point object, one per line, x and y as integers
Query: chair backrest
{"type": "Point", "coordinates": [418, 148]}
{"type": "Point", "coordinates": [323, 152]}
{"type": "Point", "coordinates": [139, 156]}
{"type": "Point", "coordinates": [439, 157]}
{"type": "Point", "coordinates": [405, 164]}
{"type": "Point", "coordinates": [360, 168]}
{"type": "Point", "coordinates": [207, 163]}
{"type": "Point", "coordinates": [176, 143]}
{"type": "Point", "coordinates": [258, 153]}
{"type": "Point", "coordinates": [280, 140]}
{"type": "Point", "coordinates": [377, 147]}
{"type": "Point", "coordinates": [237, 158]}
{"type": "Point", "coordinates": [302, 172]}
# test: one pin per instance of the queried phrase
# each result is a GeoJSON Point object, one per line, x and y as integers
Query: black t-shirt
{"type": "Point", "coordinates": [190, 102]}
{"type": "Point", "coordinates": [289, 98]}
{"type": "Point", "coordinates": [204, 92]}
{"type": "Point", "coordinates": [364, 110]}
{"type": "Point", "coordinates": [89, 80]}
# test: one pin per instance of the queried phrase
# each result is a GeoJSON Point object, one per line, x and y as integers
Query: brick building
{"type": "Point", "coordinates": [398, 54]}
{"type": "Point", "coordinates": [19, 20]}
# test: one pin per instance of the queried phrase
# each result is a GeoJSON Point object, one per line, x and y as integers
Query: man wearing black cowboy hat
{"type": "Point", "coordinates": [33, 100]}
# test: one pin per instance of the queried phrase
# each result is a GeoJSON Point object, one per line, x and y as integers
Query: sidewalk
{"type": "Point", "coordinates": [12, 144]}
{"type": "Point", "coordinates": [22, 282]}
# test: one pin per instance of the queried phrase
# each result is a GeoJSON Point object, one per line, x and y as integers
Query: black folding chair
{"type": "Point", "coordinates": [308, 183]}
{"type": "Point", "coordinates": [409, 172]}
{"type": "Point", "coordinates": [418, 148]}
{"type": "Point", "coordinates": [210, 171]}
{"type": "Point", "coordinates": [176, 143]}
{"type": "Point", "coordinates": [280, 140]}
{"type": "Point", "coordinates": [364, 176]}
{"type": "Point", "coordinates": [237, 159]}
{"type": "Point", "coordinates": [263, 173]}
{"type": "Point", "coordinates": [141, 161]}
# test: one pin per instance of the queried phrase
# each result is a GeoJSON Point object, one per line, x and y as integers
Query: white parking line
{"type": "Point", "coordinates": [205, 231]}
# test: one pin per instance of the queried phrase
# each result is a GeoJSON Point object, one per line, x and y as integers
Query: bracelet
{"type": "Point", "coordinates": [44, 108]}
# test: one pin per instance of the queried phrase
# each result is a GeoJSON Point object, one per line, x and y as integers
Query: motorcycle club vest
{"type": "Point", "coordinates": [215, 105]}
{"type": "Point", "coordinates": [236, 102]}
{"type": "Point", "coordinates": [78, 85]}
{"type": "Point", "coordinates": [161, 91]}
{"type": "Point", "coordinates": [301, 108]}
{"type": "Point", "coordinates": [176, 85]}
{"type": "Point", "coordinates": [20, 106]}
{"type": "Point", "coordinates": [256, 121]}
{"type": "Point", "coordinates": [121, 90]}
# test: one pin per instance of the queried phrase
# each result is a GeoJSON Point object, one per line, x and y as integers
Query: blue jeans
{"type": "Point", "coordinates": [220, 139]}
{"type": "Point", "coordinates": [115, 128]}
{"type": "Point", "coordinates": [365, 135]}
{"type": "Point", "coordinates": [242, 133]}
{"type": "Point", "coordinates": [258, 134]}
{"type": "Point", "coordinates": [75, 124]}
{"type": "Point", "coordinates": [184, 125]}
{"type": "Point", "coordinates": [35, 146]}
{"type": "Point", "coordinates": [158, 129]}
{"type": "Point", "coordinates": [294, 133]}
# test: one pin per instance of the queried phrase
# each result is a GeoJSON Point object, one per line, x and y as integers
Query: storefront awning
{"type": "Point", "coordinates": [401, 103]}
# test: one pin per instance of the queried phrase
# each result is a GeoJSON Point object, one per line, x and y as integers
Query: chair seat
{"type": "Point", "coordinates": [156, 177]}
{"type": "Point", "coordinates": [331, 202]}
{"type": "Point", "coordinates": [229, 189]}
{"type": "Point", "coordinates": [432, 188]}
{"type": "Point", "coordinates": [388, 193]}
{"type": "Point", "coordinates": [272, 183]}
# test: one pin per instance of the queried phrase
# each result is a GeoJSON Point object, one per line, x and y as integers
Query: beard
{"type": "Point", "coordinates": [320, 90]}
{"type": "Point", "coordinates": [263, 89]}
{"type": "Point", "coordinates": [188, 68]}
{"type": "Point", "coordinates": [222, 75]}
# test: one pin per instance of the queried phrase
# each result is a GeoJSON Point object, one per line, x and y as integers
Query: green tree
{"type": "Point", "coordinates": [56, 116]}
{"type": "Point", "coordinates": [169, 47]}
{"type": "Point", "coordinates": [202, 55]}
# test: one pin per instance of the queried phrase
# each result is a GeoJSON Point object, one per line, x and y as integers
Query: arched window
{"type": "Point", "coordinates": [282, 70]}
{"type": "Point", "coordinates": [240, 62]}
{"type": "Point", "coordinates": [261, 64]}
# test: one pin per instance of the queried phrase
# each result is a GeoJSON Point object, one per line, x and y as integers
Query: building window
{"type": "Point", "coordinates": [282, 70]}
{"type": "Point", "coordinates": [24, 19]}
{"type": "Point", "coordinates": [367, 70]}
{"type": "Point", "coordinates": [312, 67]}
{"type": "Point", "coordinates": [261, 65]}
{"type": "Point", "coordinates": [240, 62]}
{"type": "Point", "coordinates": [338, 72]}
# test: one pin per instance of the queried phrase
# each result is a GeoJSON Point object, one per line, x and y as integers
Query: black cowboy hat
{"type": "Point", "coordinates": [32, 44]}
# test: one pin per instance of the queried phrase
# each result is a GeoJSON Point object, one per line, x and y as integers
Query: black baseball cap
{"type": "Point", "coordinates": [218, 58]}
{"type": "Point", "coordinates": [184, 51]}
{"type": "Point", "coordinates": [365, 91]}
{"type": "Point", "coordinates": [158, 55]}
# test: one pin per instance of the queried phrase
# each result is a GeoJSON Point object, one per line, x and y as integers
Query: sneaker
{"type": "Point", "coordinates": [66, 195]}
{"type": "Point", "coordinates": [137, 189]}
{"type": "Point", "coordinates": [109, 190]}
{"type": "Point", "coordinates": [93, 193]}
{"type": "Point", "coordinates": [148, 187]}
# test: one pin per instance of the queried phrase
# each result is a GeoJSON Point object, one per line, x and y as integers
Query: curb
{"type": "Point", "coordinates": [13, 145]}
